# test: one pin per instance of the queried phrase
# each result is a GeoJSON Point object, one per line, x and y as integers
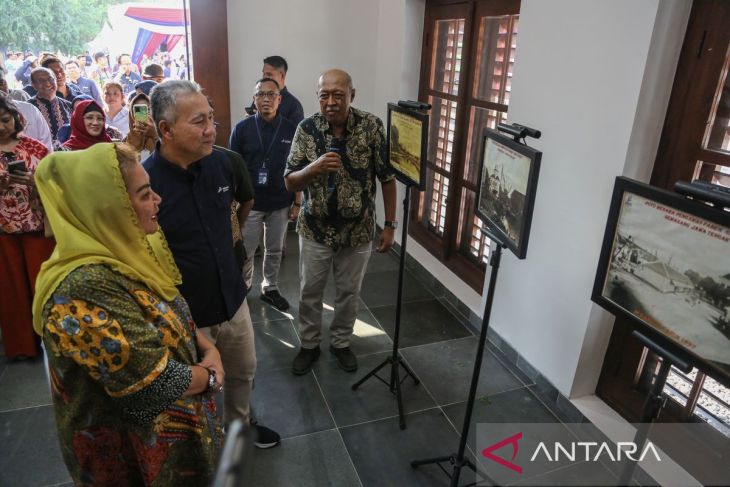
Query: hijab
{"type": "Point", "coordinates": [139, 142]}
{"type": "Point", "coordinates": [86, 202]}
{"type": "Point", "coordinates": [80, 137]}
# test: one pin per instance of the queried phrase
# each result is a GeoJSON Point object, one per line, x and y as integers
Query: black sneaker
{"type": "Point", "coordinates": [275, 299]}
{"type": "Point", "coordinates": [304, 360]}
{"type": "Point", "coordinates": [345, 358]}
{"type": "Point", "coordinates": [265, 437]}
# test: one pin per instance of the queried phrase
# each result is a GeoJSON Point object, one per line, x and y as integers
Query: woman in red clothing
{"type": "Point", "coordinates": [23, 247]}
{"type": "Point", "coordinates": [88, 126]}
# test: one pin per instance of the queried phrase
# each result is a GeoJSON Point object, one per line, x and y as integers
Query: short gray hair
{"type": "Point", "coordinates": [163, 99]}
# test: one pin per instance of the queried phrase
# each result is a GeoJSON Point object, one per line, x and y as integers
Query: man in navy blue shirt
{"type": "Point", "coordinates": [197, 185]}
{"type": "Point", "coordinates": [125, 76]}
{"type": "Point", "coordinates": [276, 67]}
{"type": "Point", "coordinates": [77, 76]}
{"type": "Point", "coordinates": [264, 141]}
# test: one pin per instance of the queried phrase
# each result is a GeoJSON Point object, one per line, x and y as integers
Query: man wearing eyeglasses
{"type": "Point", "coordinates": [264, 141]}
{"type": "Point", "coordinates": [55, 110]}
{"type": "Point", "coordinates": [336, 156]}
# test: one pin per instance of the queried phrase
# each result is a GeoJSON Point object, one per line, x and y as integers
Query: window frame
{"type": "Point", "coordinates": [445, 247]}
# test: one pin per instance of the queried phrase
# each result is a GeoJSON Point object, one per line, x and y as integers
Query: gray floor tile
{"type": "Point", "coordinates": [446, 369]}
{"type": "Point", "coordinates": [373, 399]}
{"type": "Point", "coordinates": [368, 336]}
{"type": "Point", "coordinates": [288, 404]}
{"type": "Point", "coordinates": [381, 288]}
{"type": "Point", "coordinates": [315, 460]}
{"type": "Point", "coordinates": [24, 384]}
{"type": "Point", "coordinates": [276, 344]}
{"type": "Point", "coordinates": [583, 473]}
{"type": "Point", "coordinates": [261, 311]}
{"type": "Point", "coordinates": [382, 452]}
{"type": "Point", "coordinates": [421, 322]}
{"type": "Point", "coordinates": [30, 452]}
{"type": "Point", "coordinates": [382, 262]}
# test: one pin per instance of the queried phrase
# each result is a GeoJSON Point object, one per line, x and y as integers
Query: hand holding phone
{"type": "Point", "coordinates": [140, 112]}
{"type": "Point", "coordinates": [17, 167]}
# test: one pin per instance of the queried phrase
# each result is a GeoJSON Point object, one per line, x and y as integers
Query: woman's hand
{"type": "Point", "coordinates": [212, 361]}
{"type": "Point", "coordinates": [144, 129]}
{"type": "Point", "coordinates": [24, 178]}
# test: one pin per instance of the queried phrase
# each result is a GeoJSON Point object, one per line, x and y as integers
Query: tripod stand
{"type": "Point", "coordinates": [395, 361]}
{"type": "Point", "coordinates": [457, 460]}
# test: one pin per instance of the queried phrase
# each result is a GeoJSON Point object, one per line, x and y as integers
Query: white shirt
{"type": "Point", "coordinates": [120, 122]}
{"type": "Point", "coordinates": [36, 126]}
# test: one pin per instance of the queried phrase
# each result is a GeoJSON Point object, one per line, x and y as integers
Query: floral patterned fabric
{"type": "Point", "coordinates": [344, 217]}
{"type": "Point", "coordinates": [119, 360]}
{"type": "Point", "coordinates": [20, 207]}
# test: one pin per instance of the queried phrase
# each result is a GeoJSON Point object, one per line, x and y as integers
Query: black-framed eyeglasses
{"type": "Point", "coordinates": [266, 94]}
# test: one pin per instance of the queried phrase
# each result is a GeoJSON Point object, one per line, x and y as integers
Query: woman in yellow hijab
{"type": "Point", "coordinates": [132, 380]}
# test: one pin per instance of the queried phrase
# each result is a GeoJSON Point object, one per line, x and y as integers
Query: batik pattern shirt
{"type": "Point", "coordinates": [20, 206]}
{"type": "Point", "coordinates": [119, 359]}
{"type": "Point", "coordinates": [56, 113]}
{"type": "Point", "coordinates": [345, 216]}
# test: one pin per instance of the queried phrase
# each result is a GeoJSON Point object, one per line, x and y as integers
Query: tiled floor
{"type": "Point", "coordinates": [332, 436]}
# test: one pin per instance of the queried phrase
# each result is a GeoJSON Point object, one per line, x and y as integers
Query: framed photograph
{"type": "Point", "coordinates": [507, 186]}
{"type": "Point", "coordinates": [407, 138]}
{"type": "Point", "coordinates": [665, 267]}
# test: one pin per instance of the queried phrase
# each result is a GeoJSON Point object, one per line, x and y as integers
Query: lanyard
{"type": "Point", "coordinates": [273, 139]}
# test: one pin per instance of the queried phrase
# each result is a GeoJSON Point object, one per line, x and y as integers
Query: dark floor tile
{"type": "Point", "coordinates": [315, 460]}
{"type": "Point", "coordinates": [24, 384]}
{"type": "Point", "coordinates": [261, 311]}
{"type": "Point", "coordinates": [373, 399]}
{"type": "Point", "coordinates": [276, 344]}
{"type": "Point", "coordinates": [446, 369]}
{"type": "Point", "coordinates": [383, 262]}
{"type": "Point", "coordinates": [517, 406]}
{"type": "Point", "coordinates": [30, 455]}
{"type": "Point", "coordinates": [381, 288]}
{"type": "Point", "coordinates": [584, 473]}
{"type": "Point", "coordinates": [368, 336]}
{"type": "Point", "coordinates": [288, 404]}
{"type": "Point", "coordinates": [510, 365]}
{"type": "Point", "coordinates": [382, 453]}
{"type": "Point", "coordinates": [421, 323]}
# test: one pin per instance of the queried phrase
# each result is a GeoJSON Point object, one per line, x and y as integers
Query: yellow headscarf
{"type": "Point", "coordinates": [86, 202]}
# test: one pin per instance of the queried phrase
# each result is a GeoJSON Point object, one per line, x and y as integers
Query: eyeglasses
{"type": "Point", "coordinates": [266, 94]}
{"type": "Point", "coordinates": [45, 81]}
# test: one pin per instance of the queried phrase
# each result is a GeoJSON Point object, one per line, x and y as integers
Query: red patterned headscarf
{"type": "Point", "coordinates": [80, 137]}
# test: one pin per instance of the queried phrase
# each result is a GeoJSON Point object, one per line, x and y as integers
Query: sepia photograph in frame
{"type": "Point", "coordinates": [665, 267]}
{"type": "Point", "coordinates": [507, 187]}
{"type": "Point", "coordinates": [407, 144]}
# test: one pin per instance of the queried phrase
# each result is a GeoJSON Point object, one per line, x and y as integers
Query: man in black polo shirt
{"type": "Point", "coordinates": [197, 186]}
{"type": "Point", "coordinates": [275, 67]}
{"type": "Point", "coordinates": [264, 141]}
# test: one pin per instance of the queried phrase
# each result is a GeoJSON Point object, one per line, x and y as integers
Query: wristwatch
{"type": "Point", "coordinates": [391, 223]}
{"type": "Point", "coordinates": [211, 388]}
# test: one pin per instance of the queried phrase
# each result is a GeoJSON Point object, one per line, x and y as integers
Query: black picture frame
{"type": "Point", "coordinates": [409, 158]}
{"type": "Point", "coordinates": [665, 268]}
{"type": "Point", "coordinates": [505, 200]}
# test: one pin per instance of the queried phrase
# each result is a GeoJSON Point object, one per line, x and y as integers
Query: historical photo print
{"type": "Point", "coordinates": [671, 270]}
{"type": "Point", "coordinates": [407, 144]}
{"type": "Point", "coordinates": [507, 186]}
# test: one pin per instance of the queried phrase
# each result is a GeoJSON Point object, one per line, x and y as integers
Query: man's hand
{"type": "Point", "coordinates": [387, 238]}
{"type": "Point", "coordinates": [294, 213]}
{"type": "Point", "coordinates": [326, 163]}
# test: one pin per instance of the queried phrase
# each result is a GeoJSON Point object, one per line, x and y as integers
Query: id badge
{"type": "Point", "coordinates": [263, 177]}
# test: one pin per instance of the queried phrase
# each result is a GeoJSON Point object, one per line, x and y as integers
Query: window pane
{"type": "Point", "coordinates": [480, 119]}
{"type": "Point", "coordinates": [497, 42]}
{"type": "Point", "coordinates": [712, 173]}
{"type": "Point", "coordinates": [717, 136]}
{"type": "Point", "coordinates": [446, 55]}
{"type": "Point", "coordinates": [470, 241]}
{"type": "Point", "coordinates": [441, 132]}
{"type": "Point", "coordinates": [432, 208]}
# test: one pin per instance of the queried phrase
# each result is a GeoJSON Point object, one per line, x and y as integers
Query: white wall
{"type": "Point", "coordinates": [581, 68]}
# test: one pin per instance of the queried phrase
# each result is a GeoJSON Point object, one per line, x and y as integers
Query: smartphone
{"type": "Point", "coordinates": [17, 167]}
{"type": "Point", "coordinates": [139, 112]}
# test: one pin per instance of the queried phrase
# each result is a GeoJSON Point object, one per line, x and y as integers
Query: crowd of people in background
{"type": "Point", "coordinates": [112, 273]}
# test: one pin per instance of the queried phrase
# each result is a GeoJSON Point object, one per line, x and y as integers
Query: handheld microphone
{"type": "Point", "coordinates": [337, 146]}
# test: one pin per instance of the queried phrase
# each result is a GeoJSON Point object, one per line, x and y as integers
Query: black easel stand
{"type": "Point", "coordinates": [458, 461]}
{"type": "Point", "coordinates": [395, 361]}
{"type": "Point", "coordinates": [655, 400]}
